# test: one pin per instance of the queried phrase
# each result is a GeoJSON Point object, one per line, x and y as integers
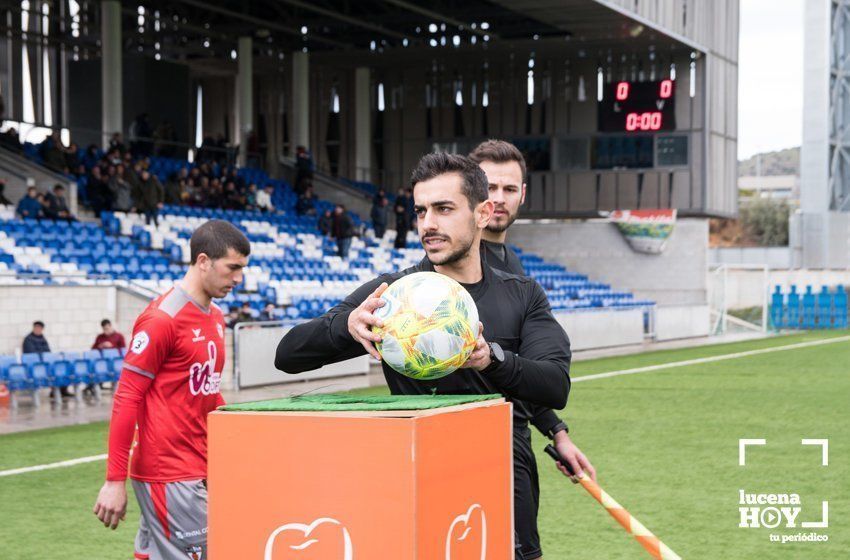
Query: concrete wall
{"type": "Point", "coordinates": [681, 321]}
{"type": "Point", "coordinates": [602, 329]}
{"type": "Point", "coordinates": [596, 248]}
{"type": "Point", "coordinates": [774, 257]}
{"type": "Point", "coordinates": [71, 314]}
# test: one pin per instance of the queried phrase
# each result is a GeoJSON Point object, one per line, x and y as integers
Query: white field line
{"type": "Point", "coordinates": [708, 359]}
{"type": "Point", "coordinates": [683, 363]}
{"type": "Point", "coordinates": [68, 463]}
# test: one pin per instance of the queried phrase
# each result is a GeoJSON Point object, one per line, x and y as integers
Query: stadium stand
{"type": "Point", "coordinates": [292, 266]}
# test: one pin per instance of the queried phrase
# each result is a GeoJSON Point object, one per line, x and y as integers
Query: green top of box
{"type": "Point", "coordinates": [341, 403]}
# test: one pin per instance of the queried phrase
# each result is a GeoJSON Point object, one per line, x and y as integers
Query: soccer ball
{"type": "Point", "coordinates": [430, 325]}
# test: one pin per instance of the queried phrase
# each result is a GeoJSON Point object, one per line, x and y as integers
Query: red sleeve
{"type": "Point", "coordinates": [125, 407]}
{"type": "Point", "coordinates": [121, 342]}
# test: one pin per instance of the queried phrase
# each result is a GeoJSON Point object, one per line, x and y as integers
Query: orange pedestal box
{"type": "Point", "coordinates": [427, 484]}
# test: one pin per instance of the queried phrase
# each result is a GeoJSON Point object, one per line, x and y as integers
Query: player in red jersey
{"type": "Point", "coordinates": [170, 382]}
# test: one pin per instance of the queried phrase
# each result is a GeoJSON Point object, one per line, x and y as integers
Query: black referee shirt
{"type": "Point", "coordinates": [501, 257]}
{"type": "Point", "coordinates": [515, 314]}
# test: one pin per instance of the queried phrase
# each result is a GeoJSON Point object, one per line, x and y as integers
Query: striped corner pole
{"type": "Point", "coordinates": [644, 536]}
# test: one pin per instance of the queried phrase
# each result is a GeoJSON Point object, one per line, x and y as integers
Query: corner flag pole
{"type": "Point", "coordinates": [644, 536]}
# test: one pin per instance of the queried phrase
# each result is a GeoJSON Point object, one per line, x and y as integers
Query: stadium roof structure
{"type": "Point", "coordinates": [197, 30]}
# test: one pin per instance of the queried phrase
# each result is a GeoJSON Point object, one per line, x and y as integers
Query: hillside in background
{"type": "Point", "coordinates": [783, 162]}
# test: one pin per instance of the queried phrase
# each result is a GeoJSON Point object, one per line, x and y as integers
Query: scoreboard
{"type": "Point", "coordinates": [638, 106]}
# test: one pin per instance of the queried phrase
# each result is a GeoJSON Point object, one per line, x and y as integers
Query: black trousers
{"type": "Point", "coordinates": [526, 496]}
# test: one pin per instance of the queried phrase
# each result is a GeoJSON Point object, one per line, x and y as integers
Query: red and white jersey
{"type": "Point", "coordinates": [180, 345]}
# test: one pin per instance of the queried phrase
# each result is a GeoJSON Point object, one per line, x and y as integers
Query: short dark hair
{"type": "Point", "coordinates": [474, 181]}
{"type": "Point", "coordinates": [215, 237]}
{"type": "Point", "coordinates": [58, 187]}
{"type": "Point", "coordinates": [38, 324]}
{"type": "Point", "coordinates": [498, 151]}
{"type": "Point", "coordinates": [105, 322]}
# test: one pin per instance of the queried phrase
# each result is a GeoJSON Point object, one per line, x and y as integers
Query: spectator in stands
{"type": "Point", "coordinates": [380, 216]}
{"type": "Point", "coordinates": [121, 191]}
{"type": "Point", "coordinates": [379, 195]}
{"type": "Point", "coordinates": [303, 169]}
{"type": "Point", "coordinates": [251, 197]}
{"type": "Point", "coordinates": [56, 206]}
{"type": "Point", "coordinates": [233, 199]}
{"type": "Point", "coordinates": [117, 143]}
{"type": "Point", "coordinates": [214, 195]}
{"type": "Point", "coordinates": [401, 222]}
{"type": "Point", "coordinates": [245, 314]}
{"type": "Point", "coordinates": [343, 230]}
{"type": "Point", "coordinates": [109, 337]}
{"type": "Point", "coordinates": [268, 313]}
{"type": "Point", "coordinates": [98, 189]}
{"type": "Point", "coordinates": [195, 193]}
{"type": "Point", "coordinates": [72, 157]}
{"type": "Point", "coordinates": [306, 205]}
{"type": "Point", "coordinates": [30, 205]}
{"type": "Point", "coordinates": [3, 200]}
{"type": "Point", "coordinates": [148, 196]}
{"type": "Point", "coordinates": [264, 199]}
{"type": "Point", "coordinates": [233, 175]}
{"type": "Point", "coordinates": [35, 342]}
{"type": "Point", "coordinates": [175, 188]}
{"type": "Point", "coordinates": [232, 318]}
{"type": "Point", "coordinates": [10, 140]}
{"type": "Point", "coordinates": [326, 222]}
{"type": "Point", "coordinates": [53, 152]}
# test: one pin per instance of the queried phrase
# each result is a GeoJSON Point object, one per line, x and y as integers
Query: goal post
{"type": "Point", "coordinates": [739, 298]}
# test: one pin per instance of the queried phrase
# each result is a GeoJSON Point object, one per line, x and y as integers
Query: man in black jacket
{"type": "Point", "coordinates": [521, 352]}
{"type": "Point", "coordinates": [504, 166]}
{"type": "Point", "coordinates": [36, 342]}
{"type": "Point", "coordinates": [342, 230]}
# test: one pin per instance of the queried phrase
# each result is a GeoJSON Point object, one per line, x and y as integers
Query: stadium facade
{"type": "Point", "coordinates": [820, 231]}
{"type": "Point", "coordinates": [370, 88]}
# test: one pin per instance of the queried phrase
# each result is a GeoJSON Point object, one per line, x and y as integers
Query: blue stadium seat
{"type": "Point", "coordinates": [110, 353]}
{"type": "Point", "coordinates": [28, 359]}
{"type": "Point", "coordinates": [39, 372]}
{"type": "Point", "coordinates": [81, 370]}
{"type": "Point", "coordinates": [5, 362]}
{"type": "Point", "coordinates": [18, 379]}
{"type": "Point", "coordinates": [116, 366]}
{"type": "Point", "coordinates": [101, 371]}
{"type": "Point", "coordinates": [62, 373]}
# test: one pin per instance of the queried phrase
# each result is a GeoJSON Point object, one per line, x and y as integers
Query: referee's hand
{"type": "Point", "coordinates": [480, 356]}
{"type": "Point", "coordinates": [362, 319]}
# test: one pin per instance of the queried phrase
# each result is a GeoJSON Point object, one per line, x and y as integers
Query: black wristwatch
{"type": "Point", "coordinates": [559, 427]}
{"type": "Point", "coordinates": [497, 357]}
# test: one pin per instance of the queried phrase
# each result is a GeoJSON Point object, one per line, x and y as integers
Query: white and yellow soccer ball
{"type": "Point", "coordinates": [430, 325]}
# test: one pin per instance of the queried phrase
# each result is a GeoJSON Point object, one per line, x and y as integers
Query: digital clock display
{"type": "Point", "coordinates": [638, 106]}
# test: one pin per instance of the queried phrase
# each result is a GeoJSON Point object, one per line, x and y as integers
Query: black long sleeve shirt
{"type": "Point", "coordinates": [515, 314]}
{"type": "Point", "coordinates": [501, 257]}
